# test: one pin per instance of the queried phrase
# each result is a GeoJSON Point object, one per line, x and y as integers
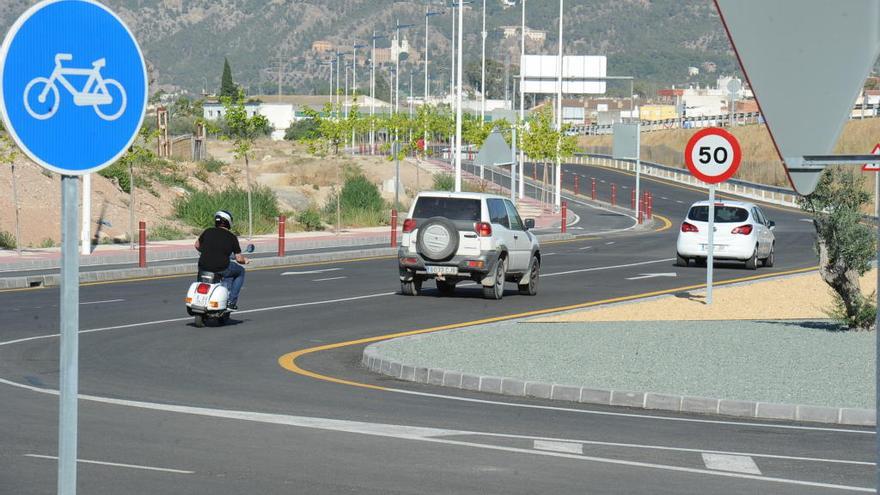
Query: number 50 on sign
{"type": "Point", "coordinates": [713, 155]}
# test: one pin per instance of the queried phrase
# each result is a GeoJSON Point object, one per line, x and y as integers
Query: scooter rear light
{"type": "Point", "coordinates": [188, 300]}
{"type": "Point", "coordinates": [689, 227]}
{"type": "Point", "coordinates": [742, 229]}
{"type": "Point", "coordinates": [203, 288]}
{"type": "Point", "coordinates": [483, 229]}
{"type": "Point", "coordinates": [215, 304]}
{"type": "Point", "coordinates": [409, 225]}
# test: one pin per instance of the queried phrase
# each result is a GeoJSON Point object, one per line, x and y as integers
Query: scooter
{"type": "Point", "coordinates": [207, 297]}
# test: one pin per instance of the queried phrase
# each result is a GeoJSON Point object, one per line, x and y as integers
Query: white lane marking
{"type": "Point", "coordinates": [173, 320]}
{"type": "Point", "coordinates": [549, 254]}
{"type": "Point", "coordinates": [609, 243]}
{"type": "Point", "coordinates": [600, 268]}
{"type": "Point", "coordinates": [101, 302]}
{"type": "Point", "coordinates": [425, 434]}
{"type": "Point", "coordinates": [115, 464]}
{"type": "Point", "coordinates": [585, 248]}
{"type": "Point", "coordinates": [808, 220]}
{"type": "Point", "coordinates": [679, 202]}
{"type": "Point", "coordinates": [731, 463]}
{"type": "Point", "coordinates": [329, 278]}
{"type": "Point", "coordinates": [653, 275]}
{"type": "Point", "coordinates": [664, 198]}
{"type": "Point", "coordinates": [312, 272]}
{"type": "Point", "coordinates": [571, 448]}
{"type": "Point", "coordinates": [602, 181]}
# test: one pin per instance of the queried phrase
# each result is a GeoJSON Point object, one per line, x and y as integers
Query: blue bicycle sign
{"type": "Point", "coordinates": [73, 85]}
{"type": "Point", "coordinates": [95, 93]}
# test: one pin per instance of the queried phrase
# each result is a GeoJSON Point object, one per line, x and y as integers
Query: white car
{"type": "Point", "coordinates": [452, 237]}
{"type": "Point", "coordinates": [742, 232]}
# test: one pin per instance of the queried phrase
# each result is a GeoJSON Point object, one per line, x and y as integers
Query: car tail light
{"type": "Point", "coordinates": [409, 225]}
{"type": "Point", "coordinates": [742, 229]}
{"type": "Point", "coordinates": [483, 229]}
{"type": "Point", "coordinates": [476, 264]}
{"type": "Point", "coordinates": [689, 227]}
{"type": "Point", "coordinates": [203, 288]}
{"type": "Point", "coordinates": [409, 261]}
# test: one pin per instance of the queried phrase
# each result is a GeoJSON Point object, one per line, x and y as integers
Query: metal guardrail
{"type": "Point", "coordinates": [768, 194]}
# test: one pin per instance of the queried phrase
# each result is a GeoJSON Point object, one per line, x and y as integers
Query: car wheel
{"type": "Point", "coordinates": [445, 288]}
{"type": "Point", "coordinates": [770, 260]}
{"type": "Point", "coordinates": [752, 263]}
{"type": "Point", "coordinates": [701, 262]}
{"type": "Point", "coordinates": [496, 290]}
{"type": "Point", "coordinates": [437, 239]}
{"type": "Point", "coordinates": [411, 288]}
{"type": "Point", "coordinates": [680, 260]}
{"type": "Point", "coordinates": [531, 288]}
{"type": "Point", "coordinates": [199, 321]}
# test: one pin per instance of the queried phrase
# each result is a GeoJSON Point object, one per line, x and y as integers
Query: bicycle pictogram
{"type": "Point", "coordinates": [95, 93]}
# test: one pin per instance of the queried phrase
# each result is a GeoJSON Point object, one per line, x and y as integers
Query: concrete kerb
{"type": "Point", "coordinates": [373, 360]}
{"type": "Point", "coordinates": [54, 279]}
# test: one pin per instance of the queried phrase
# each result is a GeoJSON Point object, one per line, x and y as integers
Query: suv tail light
{"type": "Point", "coordinates": [203, 288]}
{"type": "Point", "coordinates": [689, 227]}
{"type": "Point", "coordinates": [483, 229]}
{"type": "Point", "coordinates": [742, 229]}
{"type": "Point", "coordinates": [409, 225]}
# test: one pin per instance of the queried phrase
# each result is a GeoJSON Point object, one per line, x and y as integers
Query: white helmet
{"type": "Point", "coordinates": [223, 216]}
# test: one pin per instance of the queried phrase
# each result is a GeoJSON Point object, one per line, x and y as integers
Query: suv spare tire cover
{"type": "Point", "coordinates": [438, 239]}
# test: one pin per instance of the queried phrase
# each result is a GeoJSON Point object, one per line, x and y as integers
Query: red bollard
{"type": "Point", "coordinates": [577, 186]}
{"type": "Point", "coordinates": [641, 209]}
{"type": "Point", "coordinates": [613, 194]}
{"type": "Point", "coordinates": [142, 244]}
{"type": "Point", "coordinates": [393, 228]}
{"type": "Point", "coordinates": [650, 206]}
{"type": "Point", "coordinates": [281, 235]}
{"type": "Point", "coordinates": [594, 189]}
{"type": "Point", "coordinates": [564, 225]}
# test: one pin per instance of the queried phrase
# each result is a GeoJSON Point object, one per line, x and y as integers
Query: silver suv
{"type": "Point", "coordinates": [452, 237]}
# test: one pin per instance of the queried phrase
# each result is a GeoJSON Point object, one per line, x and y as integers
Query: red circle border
{"type": "Point", "coordinates": [734, 166]}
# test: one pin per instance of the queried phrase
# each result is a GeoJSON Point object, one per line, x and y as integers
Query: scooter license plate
{"type": "Point", "coordinates": [200, 300]}
{"type": "Point", "coordinates": [442, 270]}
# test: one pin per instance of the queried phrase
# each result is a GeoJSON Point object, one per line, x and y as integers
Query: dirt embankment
{"type": "Point", "coordinates": [760, 162]}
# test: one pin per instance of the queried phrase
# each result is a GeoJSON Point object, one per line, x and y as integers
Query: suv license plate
{"type": "Point", "coordinates": [442, 270]}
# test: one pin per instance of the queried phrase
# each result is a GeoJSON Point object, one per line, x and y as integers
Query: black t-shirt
{"type": "Point", "coordinates": [216, 245]}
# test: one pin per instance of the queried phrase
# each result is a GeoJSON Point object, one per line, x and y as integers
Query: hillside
{"type": "Point", "coordinates": [185, 41]}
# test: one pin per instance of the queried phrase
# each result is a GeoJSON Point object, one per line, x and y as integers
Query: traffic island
{"type": "Point", "coordinates": [779, 369]}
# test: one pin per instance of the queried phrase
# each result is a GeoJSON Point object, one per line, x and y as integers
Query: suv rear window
{"type": "Point", "coordinates": [723, 214]}
{"type": "Point", "coordinates": [451, 208]}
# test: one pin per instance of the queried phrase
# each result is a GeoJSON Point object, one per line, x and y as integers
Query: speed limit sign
{"type": "Point", "coordinates": [713, 155]}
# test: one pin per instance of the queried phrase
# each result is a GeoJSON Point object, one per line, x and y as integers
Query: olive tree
{"type": "Point", "coordinates": [846, 246]}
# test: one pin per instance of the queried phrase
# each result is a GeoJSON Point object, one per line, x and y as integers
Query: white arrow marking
{"type": "Point", "coordinates": [312, 272]}
{"type": "Point", "coordinates": [731, 463]}
{"type": "Point", "coordinates": [653, 275]}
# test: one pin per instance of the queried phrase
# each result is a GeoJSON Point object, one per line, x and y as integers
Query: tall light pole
{"type": "Point", "coordinates": [373, 90]}
{"type": "Point", "coordinates": [339, 55]}
{"type": "Point", "coordinates": [452, 55]}
{"type": "Point", "coordinates": [483, 75]}
{"type": "Point", "coordinates": [522, 100]}
{"type": "Point", "coordinates": [427, 88]}
{"type": "Point", "coordinates": [558, 179]}
{"type": "Point", "coordinates": [397, 28]}
{"type": "Point", "coordinates": [458, 71]}
{"type": "Point", "coordinates": [354, 57]}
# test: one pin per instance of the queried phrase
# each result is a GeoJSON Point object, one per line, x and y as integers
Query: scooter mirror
{"type": "Point", "coordinates": [249, 248]}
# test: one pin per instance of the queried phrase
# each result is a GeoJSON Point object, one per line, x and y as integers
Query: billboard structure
{"type": "Point", "coordinates": [581, 74]}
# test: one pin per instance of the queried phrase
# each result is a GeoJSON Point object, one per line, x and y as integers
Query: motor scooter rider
{"type": "Point", "coordinates": [216, 245]}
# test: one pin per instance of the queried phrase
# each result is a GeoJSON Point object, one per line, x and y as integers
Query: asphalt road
{"type": "Point", "coordinates": [226, 410]}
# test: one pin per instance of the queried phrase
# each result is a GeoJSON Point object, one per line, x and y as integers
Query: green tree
{"type": "Point", "coordinates": [846, 246]}
{"type": "Point", "coordinates": [495, 79]}
{"type": "Point", "coordinates": [243, 131]}
{"type": "Point", "coordinates": [228, 88]}
{"type": "Point", "coordinates": [542, 142]}
{"type": "Point", "coordinates": [8, 154]}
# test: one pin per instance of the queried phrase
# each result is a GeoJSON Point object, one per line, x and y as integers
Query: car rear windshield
{"type": "Point", "coordinates": [451, 208]}
{"type": "Point", "coordinates": [723, 214]}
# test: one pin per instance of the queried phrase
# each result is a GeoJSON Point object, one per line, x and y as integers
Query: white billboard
{"type": "Point", "coordinates": [540, 75]}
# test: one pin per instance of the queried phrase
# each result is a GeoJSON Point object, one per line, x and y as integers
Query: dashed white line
{"type": "Point", "coordinates": [679, 202]}
{"type": "Point", "coordinates": [115, 464]}
{"type": "Point", "coordinates": [550, 254]}
{"type": "Point", "coordinates": [731, 463]}
{"type": "Point", "coordinates": [664, 198]}
{"type": "Point", "coordinates": [585, 248]}
{"type": "Point", "coordinates": [567, 447]}
{"type": "Point", "coordinates": [609, 243]}
{"type": "Point", "coordinates": [312, 272]}
{"type": "Point", "coordinates": [328, 279]}
{"type": "Point", "coordinates": [101, 302]}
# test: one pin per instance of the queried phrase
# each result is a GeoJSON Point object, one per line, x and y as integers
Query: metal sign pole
{"type": "Point", "coordinates": [638, 171]}
{"type": "Point", "coordinates": [710, 259]}
{"type": "Point", "coordinates": [68, 384]}
{"type": "Point", "coordinates": [513, 164]}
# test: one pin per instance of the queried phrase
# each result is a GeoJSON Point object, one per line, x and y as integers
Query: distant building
{"type": "Point", "coordinates": [383, 55]}
{"type": "Point", "coordinates": [693, 71]}
{"type": "Point", "coordinates": [322, 46]}
{"type": "Point", "coordinates": [398, 48]}
{"type": "Point", "coordinates": [536, 34]}
{"type": "Point", "coordinates": [710, 67]}
{"type": "Point", "coordinates": [510, 31]}
{"type": "Point", "coordinates": [657, 112]}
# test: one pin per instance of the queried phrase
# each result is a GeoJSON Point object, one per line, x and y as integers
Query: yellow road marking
{"type": "Point", "coordinates": [288, 361]}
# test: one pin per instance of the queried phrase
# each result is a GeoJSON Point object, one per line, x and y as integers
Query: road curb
{"type": "Point", "coordinates": [517, 387]}
{"type": "Point", "coordinates": [52, 280]}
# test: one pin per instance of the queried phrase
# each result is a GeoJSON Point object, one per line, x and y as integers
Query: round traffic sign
{"type": "Point", "coordinates": [713, 155]}
{"type": "Point", "coordinates": [73, 85]}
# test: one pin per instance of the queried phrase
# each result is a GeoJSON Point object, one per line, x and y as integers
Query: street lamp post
{"type": "Point", "coordinates": [522, 101]}
{"type": "Point", "coordinates": [427, 88]}
{"type": "Point", "coordinates": [373, 91]}
{"type": "Point", "coordinates": [483, 74]}
{"type": "Point", "coordinates": [397, 28]}
{"type": "Point", "coordinates": [458, 95]}
{"type": "Point", "coordinates": [354, 83]}
{"type": "Point", "coordinates": [558, 178]}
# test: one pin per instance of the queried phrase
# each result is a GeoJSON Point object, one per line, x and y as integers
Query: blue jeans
{"type": "Point", "coordinates": [233, 279]}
